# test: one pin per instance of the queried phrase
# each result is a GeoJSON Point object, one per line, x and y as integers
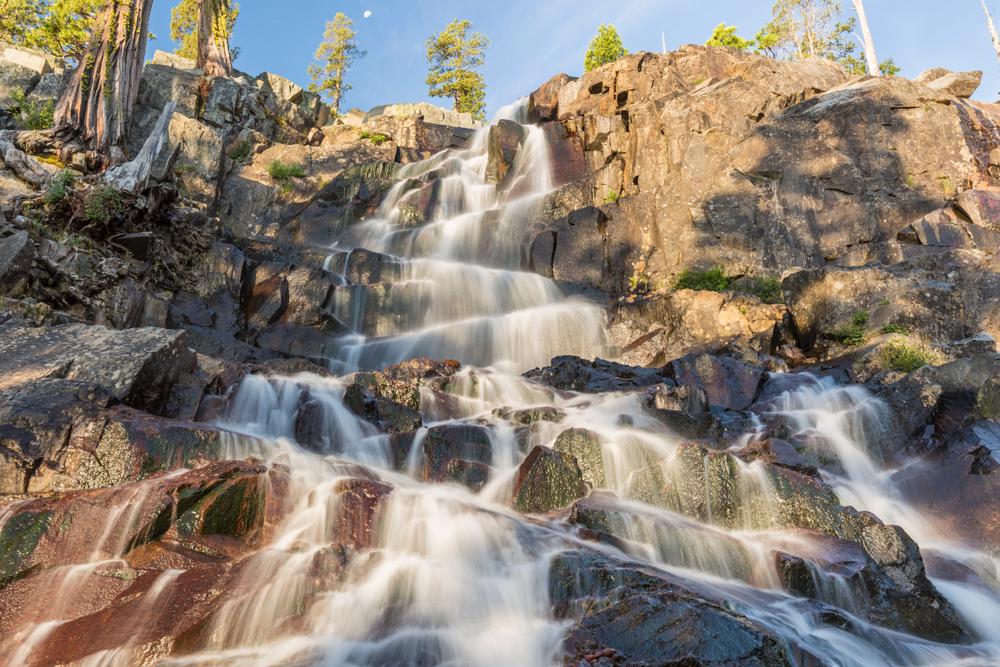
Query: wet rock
{"type": "Point", "coordinates": [401, 383]}
{"type": "Point", "coordinates": [959, 483]}
{"type": "Point", "coordinates": [637, 616]}
{"type": "Point", "coordinates": [546, 480]}
{"type": "Point", "coordinates": [583, 448]}
{"type": "Point", "coordinates": [528, 416]}
{"type": "Point", "coordinates": [727, 382]}
{"type": "Point", "coordinates": [457, 452]}
{"type": "Point", "coordinates": [360, 503]}
{"type": "Point", "coordinates": [503, 142]}
{"type": "Point", "coordinates": [365, 267]}
{"type": "Point", "coordinates": [228, 499]}
{"type": "Point", "coordinates": [780, 453]}
{"type": "Point", "coordinates": [574, 374]}
{"type": "Point", "coordinates": [391, 416]}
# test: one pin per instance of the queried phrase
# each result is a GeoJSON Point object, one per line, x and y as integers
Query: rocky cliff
{"type": "Point", "coordinates": [755, 233]}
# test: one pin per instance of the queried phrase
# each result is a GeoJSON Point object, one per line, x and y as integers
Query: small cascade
{"type": "Point", "coordinates": [452, 249]}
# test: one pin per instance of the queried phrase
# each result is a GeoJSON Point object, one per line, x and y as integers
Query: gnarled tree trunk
{"type": "Point", "coordinates": [992, 28]}
{"type": "Point", "coordinates": [97, 105]}
{"type": "Point", "coordinates": [214, 56]}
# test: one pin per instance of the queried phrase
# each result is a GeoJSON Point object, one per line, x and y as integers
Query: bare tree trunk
{"type": "Point", "coordinates": [870, 58]}
{"type": "Point", "coordinates": [993, 29]}
{"type": "Point", "coordinates": [133, 176]}
{"type": "Point", "coordinates": [97, 105]}
{"type": "Point", "coordinates": [214, 56]}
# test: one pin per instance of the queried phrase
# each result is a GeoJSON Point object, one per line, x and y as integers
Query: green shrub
{"type": "Point", "coordinates": [906, 357]}
{"type": "Point", "coordinates": [376, 138]}
{"type": "Point", "coordinates": [58, 187]}
{"type": "Point", "coordinates": [284, 173]}
{"type": "Point", "coordinates": [895, 329]}
{"type": "Point", "coordinates": [32, 115]}
{"type": "Point", "coordinates": [240, 151]}
{"type": "Point", "coordinates": [712, 280]}
{"type": "Point", "coordinates": [855, 333]}
{"type": "Point", "coordinates": [611, 197]}
{"type": "Point", "coordinates": [767, 289]}
{"type": "Point", "coordinates": [102, 203]}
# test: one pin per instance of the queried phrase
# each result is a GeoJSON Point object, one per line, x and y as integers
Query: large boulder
{"type": "Point", "coordinates": [547, 480]}
{"type": "Point", "coordinates": [138, 367]}
{"type": "Point", "coordinates": [945, 297]}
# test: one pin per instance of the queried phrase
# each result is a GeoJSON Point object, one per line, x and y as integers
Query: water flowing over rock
{"type": "Point", "coordinates": [579, 386]}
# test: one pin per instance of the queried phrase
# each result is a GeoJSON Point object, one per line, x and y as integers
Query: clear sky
{"type": "Point", "coordinates": [534, 39]}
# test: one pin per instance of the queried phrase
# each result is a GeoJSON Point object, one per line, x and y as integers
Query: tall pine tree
{"type": "Point", "coordinates": [454, 56]}
{"type": "Point", "coordinates": [334, 58]}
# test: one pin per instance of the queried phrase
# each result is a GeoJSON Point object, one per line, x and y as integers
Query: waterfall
{"type": "Point", "coordinates": [452, 576]}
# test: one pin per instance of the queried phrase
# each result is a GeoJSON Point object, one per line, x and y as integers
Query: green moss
{"type": "Point", "coordinates": [18, 540]}
{"type": "Point", "coordinates": [907, 357]}
{"type": "Point", "coordinates": [712, 280]}
{"type": "Point", "coordinates": [611, 197]}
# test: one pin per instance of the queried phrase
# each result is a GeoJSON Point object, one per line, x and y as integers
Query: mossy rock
{"type": "Point", "coordinates": [547, 481]}
{"type": "Point", "coordinates": [18, 541]}
{"type": "Point", "coordinates": [583, 447]}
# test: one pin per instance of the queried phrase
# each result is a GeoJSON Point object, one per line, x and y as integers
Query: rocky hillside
{"type": "Point", "coordinates": [747, 225]}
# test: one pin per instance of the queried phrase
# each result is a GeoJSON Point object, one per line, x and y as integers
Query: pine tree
{"type": "Point", "coordinates": [606, 47]}
{"type": "Point", "coordinates": [184, 22]}
{"type": "Point", "coordinates": [725, 35]}
{"type": "Point", "coordinates": [334, 58]}
{"type": "Point", "coordinates": [453, 56]}
{"type": "Point", "coordinates": [65, 28]}
{"type": "Point", "coordinates": [96, 107]}
{"type": "Point", "coordinates": [18, 18]}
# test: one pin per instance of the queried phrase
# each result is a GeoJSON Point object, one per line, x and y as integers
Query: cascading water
{"type": "Point", "coordinates": [455, 288]}
{"type": "Point", "coordinates": [454, 577]}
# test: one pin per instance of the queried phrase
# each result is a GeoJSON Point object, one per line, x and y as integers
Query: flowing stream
{"type": "Point", "coordinates": [458, 578]}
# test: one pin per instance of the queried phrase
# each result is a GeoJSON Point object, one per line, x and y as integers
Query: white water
{"type": "Point", "coordinates": [457, 578]}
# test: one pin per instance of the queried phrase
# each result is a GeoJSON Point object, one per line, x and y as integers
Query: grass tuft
{"type": "Point", "coordinates": [711, 280]}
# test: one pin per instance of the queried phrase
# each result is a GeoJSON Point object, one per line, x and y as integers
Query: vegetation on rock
{"type": "Point", "coordinates": [906, 357]}
{"type": "Point", "coordinates": [283, 173]}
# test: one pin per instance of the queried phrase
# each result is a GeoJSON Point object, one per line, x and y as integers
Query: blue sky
{"type": "Point", "coordinates": [534, 39]}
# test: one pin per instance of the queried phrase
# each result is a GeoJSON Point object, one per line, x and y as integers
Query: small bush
{"type": "Point", "coordinates": [766, 289]}
{"type": "Point", "coordinates": [855, 333]}
{"type": "Point", "coordinates": [376, 138]}
{"type": "Point", "coordinates": [284, 173]}
{"type": "Point", "coordinates": [32, 115]}
{"type": "Point", "coordinates": [895, 329]}
{"type": "Point", "coordinates": [611, 197]}
{"type": "Point", "coordinates": [907, 357]}
{"type": "Point", "coordinates": [102, 203]}
{"type": "Point", "coordinates": [712, 280]}
{"type": "Point", "coordinates": [58, 187]}
{"type": "Point", "coordinates": [240, 151]}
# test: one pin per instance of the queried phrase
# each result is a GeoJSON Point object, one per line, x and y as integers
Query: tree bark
{"type": "Point", "coordinates": [993, 29]}
{"type": "Point", "coordinates": [214, 56]}
{"type": "Point", "coordinates": [870, 58]}
{"type": "Point", "coordinates": [96, 107]}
